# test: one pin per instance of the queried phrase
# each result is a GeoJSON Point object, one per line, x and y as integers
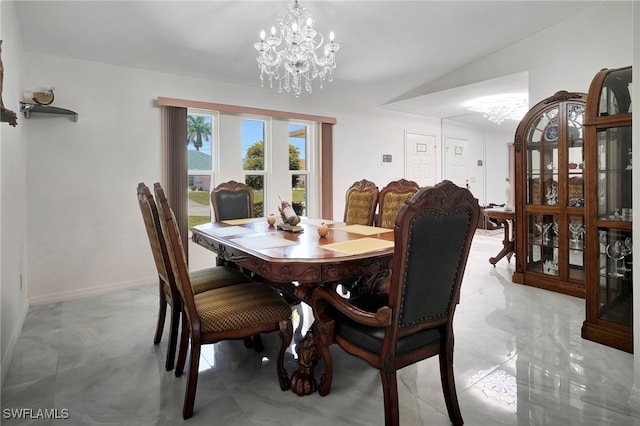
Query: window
{"type": "Point", "coordinates": [298, 167]}
{"type": "Point", "coordinates": [275, 162]}
{"type": "Point", "coordinates": [200, 137]}
{"type": "Point", "coordinates": [253, 161]}
{"type": "Point", "coordinates": [226, 158]}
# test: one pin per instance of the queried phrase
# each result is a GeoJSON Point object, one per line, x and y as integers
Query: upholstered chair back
{"type": "Point", "coordinates": [360, 203]}
{"type": "Point", "coordinates": [391, 198]}
{"type": "Point", "coordinates": [433, 235]}
{"type": "Point", "coordinates": [232, 200]}
{"type": "Point", "coordinates": [156, 241]}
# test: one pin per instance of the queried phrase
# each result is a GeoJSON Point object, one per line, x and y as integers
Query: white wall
{"type": "Point", "coordinates": [563, 57]}
{"type": "Point", "coordinates": [360, 139]}
{"type": "Point", "coordinates": [13, 296]}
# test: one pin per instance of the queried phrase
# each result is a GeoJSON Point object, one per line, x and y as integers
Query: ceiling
{"type": "Point", "coordinates": [395, 46]}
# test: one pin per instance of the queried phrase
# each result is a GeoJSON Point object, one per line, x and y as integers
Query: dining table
{"type": "Point", "coordinates": [298, 260]}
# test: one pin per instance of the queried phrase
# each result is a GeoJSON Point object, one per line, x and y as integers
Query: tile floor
{"type": "Point", "coordinates": [519, 360]}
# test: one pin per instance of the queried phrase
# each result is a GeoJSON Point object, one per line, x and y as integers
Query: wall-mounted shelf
{"type": "Point", "coordinates": [27, 109]}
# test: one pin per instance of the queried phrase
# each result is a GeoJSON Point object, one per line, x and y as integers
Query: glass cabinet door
{"type": "Point", "coordinates": [615, 295]}
{"type": "Point", "coordinates": [542, 159]}
{"type": "Point", "coordinates": [575, 152]}
{"type": "Point", "coordinates": [614, 173]}
{"type": "Point", "coordinates": [542, 250]}
{"type": "Point", "coordinates": [550, 194]}
{"type": "Point", "coordinates": [576, 247]}
{"type": "Point", "coordinates": [609, 218]}
{"type": "Point", "coordinates": [615, 96]}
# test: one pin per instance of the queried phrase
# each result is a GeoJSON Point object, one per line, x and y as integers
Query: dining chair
{"type": "Point", "coordinates": [201, 280]}
{"type": "Point", "coordinates": [232, 200]}
{"type": "Point", "coordinates": [233, 312]}
{"type": "Point", "coordinates": [414, 321]}
{"type": "Point", "coordinates": [361, 200]}
{"type": "Point", "coordinates": [391, 198]}
{"type": "Point", "coordinates": [360, 203]}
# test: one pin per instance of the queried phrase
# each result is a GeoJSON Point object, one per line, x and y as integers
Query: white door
{"type": "Point", "coordinates": [455, 164]}
{"type": "Point", "coordinates": [420, 158]}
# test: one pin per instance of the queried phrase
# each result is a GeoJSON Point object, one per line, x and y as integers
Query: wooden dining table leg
{"type": "Point", "coordinates": [303, 381]}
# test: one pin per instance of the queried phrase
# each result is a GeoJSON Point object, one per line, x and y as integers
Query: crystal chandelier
{"type": "Point", "coordinates": [297, 62]}
{"type": "Point", "coordinates": [499, 108]}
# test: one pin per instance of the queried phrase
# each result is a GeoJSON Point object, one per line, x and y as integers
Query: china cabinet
{"type": "Point", "coordinates": [550, 201]}
{"type": "Point", "coordinates": [609, 290]}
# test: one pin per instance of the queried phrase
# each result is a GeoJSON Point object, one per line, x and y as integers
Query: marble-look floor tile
{"type": "Point", "coordinates": [42, 319]}
{"type": "Point", "coordinates": [35, 357]}
{"type": "Point", "coordinates": [519, 359]}
{"type": "Point", "coordinates": [106, 392]}
{"type": "Point", "coordinates": [35, 394]}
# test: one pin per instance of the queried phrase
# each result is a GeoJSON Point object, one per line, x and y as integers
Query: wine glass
{"type": "Point", "coordinates": [613, 252]}
{"type": "Point", "coordinates": [539, 228]}
{"type": "Point", "coordinates": [621, 247]}
{"type": "Point", "coordinates": [545, 231]}
{"type": "Point", "coordinates": [576, 230]}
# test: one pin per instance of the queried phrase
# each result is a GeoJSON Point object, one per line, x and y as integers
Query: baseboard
{"type": "Point", "coordinates": [87, 292]}
{"type": "Point", "coordinates": [15, 335]}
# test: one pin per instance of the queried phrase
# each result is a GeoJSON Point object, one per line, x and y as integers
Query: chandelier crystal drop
{"type": "Point", "coordinates": [296, 64]}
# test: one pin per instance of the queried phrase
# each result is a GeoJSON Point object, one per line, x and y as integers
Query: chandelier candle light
{"type": "Point", "coordinates": [297, 62]}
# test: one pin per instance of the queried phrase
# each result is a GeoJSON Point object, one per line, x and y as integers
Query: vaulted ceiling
{"type": "Point", "coordinates": [395, 46]}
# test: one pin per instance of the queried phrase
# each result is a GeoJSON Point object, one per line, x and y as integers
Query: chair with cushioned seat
{"type": "Point", "coordinates": [360, 203]}
{"type": "Point", "coordinates": [202, 280]}
{"type": "Point", "coordinates": [232, 200]}
{"type": "Point", "coordinates": [232, 312]}
{"type": "Point", "coordinates": [390, 199]}
{"type": "Point", "coordinates": [432, 234]}
{"type": "Point", "coordinates": [361, 200]}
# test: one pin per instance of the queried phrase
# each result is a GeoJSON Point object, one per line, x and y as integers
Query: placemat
{"type": "Point", "coordinates": [261, 242]}
{"type": "Point", "coordinates": [229, 230]}
{"type": "Point", "coordinates": [362, 245]}
{"type": "Point", "coordinates": [363, 229]}
{"type": "Point", "coordinates": [243, 221]}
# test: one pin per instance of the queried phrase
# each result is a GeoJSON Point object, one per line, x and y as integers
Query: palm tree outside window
{"type": "Point", "coordinates": [198, 130]}
{"type": "Point", "coordinates": [199, 166]}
